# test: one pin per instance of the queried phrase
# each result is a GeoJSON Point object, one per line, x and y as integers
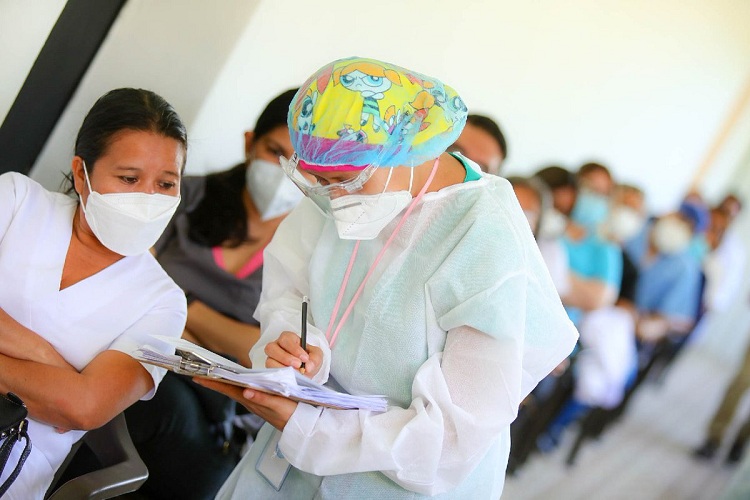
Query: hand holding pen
{"type": "Point", "coordinates": [291, 349]}
{"type": "Point", "coordinates": [303, 332]}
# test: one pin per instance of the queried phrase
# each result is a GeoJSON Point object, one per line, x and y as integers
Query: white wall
{"type": "Point", "coordinates": [175, 48]}
{"type": "Point", "coordinates": [24, 27]}
{"type": "Point", "coordinates": [642, 86]}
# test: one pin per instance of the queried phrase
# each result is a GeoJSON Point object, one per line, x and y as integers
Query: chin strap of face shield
{"type": "Point", "coordinates": [332, 336]}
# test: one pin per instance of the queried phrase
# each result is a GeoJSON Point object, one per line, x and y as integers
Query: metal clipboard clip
{"type": "Point", "coordinates": [195, 364]}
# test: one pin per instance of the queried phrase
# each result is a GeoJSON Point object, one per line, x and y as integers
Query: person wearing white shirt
{"type": "Point", "coordinates": [79, 289]}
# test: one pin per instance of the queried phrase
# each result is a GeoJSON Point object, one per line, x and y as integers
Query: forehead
{"type": "Point", "coordinates": [476, 140]}
{"type": "Point", "coordinates": [598, 180]}
{"type": "Point", "coordinates": [527, 197]}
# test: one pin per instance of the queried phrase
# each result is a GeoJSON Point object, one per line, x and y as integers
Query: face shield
{"type": "Point", "coordinates": [358, 215]}
{"type": "Point", "coordinates": [322, 193]}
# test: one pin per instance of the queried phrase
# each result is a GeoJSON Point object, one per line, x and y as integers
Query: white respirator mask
{"type": "Point", "coordinates": [624, 223]}
{"type": "Point", "coordinates": [671, 236]}
{"type": "Point", "coordinates": [553, 224]}
{"type": "Point", "coordinates": [363, 216]}
{"type": "Point", "coordinates": [273, 193]}
{"type": "Point", "coordinates": [127, 223]}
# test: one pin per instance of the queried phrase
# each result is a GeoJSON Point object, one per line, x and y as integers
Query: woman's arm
{"type": "Point", "coordinates": [462, 405]}
{"type": "Point", "coordinates": [589, 294]}
{"type": "Point", "coordinates": [220, 333]}
{"type": "Point", "coordinates": [70, 400]}
{"type": "Point", "coordinates": [19, 342]}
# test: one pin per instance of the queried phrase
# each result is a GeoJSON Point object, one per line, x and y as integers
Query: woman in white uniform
{"type": "Point", "coordinates": [424, 284]}
{"type": "Point", "coordinates": [79, 289]}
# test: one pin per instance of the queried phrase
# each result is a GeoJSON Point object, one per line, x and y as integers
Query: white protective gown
{"type": "Point", "coordinates": [117, 308]}
{"type": "Point", "coordinates": [457, 324]}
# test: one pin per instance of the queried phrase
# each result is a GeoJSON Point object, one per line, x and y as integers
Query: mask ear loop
{"type": "Point", "coordinates": [88, 184]}
{"type": "Point", "coordinates": [388, 180]}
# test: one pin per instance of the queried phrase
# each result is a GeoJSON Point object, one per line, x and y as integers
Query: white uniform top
{"type": "Point", "coordinates": [457, 324]}
{"type": "Point", "coordinates": [114, 309]}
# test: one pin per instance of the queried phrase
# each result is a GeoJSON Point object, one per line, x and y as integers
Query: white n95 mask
{"type": "Point", "coordinates": [128, 223]}
{"type": "Point", "coordinates": [624, 223]}
{"type": "Point", "coordinates": [671, 235]}
{"type": "Point", "coordinates": [552, 224]}
{"type": "Point", "coordinates": [273, 193]}
{"type": "Point", "coordinates": [363, 216]}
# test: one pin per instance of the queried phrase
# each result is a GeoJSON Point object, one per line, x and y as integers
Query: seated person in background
{"type": "Point", "coordinates": [213, 249]}
{"type": "Point", "coordinates": [483, 142]}
{"type": "Point", "coordinates": [535, 201]}
{"type": "Point", "coordinates": [669, 282]}
{"type": "Point", "coordinates": [596, 264]}
{"type": "Point", "coordinates": [79, 289]}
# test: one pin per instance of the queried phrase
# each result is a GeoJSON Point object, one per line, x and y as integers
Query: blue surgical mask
{"type": "Point", "coordinates": [591, 209]}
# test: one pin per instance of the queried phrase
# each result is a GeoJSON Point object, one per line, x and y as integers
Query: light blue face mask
{"type": "Point", "coordinates": [591, 209]}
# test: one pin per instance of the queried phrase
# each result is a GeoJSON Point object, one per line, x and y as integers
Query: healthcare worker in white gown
{"type": "Point", "coordinates": [79, 289]}
{"type": "Point", "coordinates": [424, 285]}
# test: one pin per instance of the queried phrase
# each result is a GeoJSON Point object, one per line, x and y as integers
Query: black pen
{"type": "Point", "coordinates": [303, 331]}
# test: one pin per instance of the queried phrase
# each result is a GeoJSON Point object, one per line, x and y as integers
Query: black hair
{"type": "Point", "coordinates": [491, 127]}
{"type": "Point", "coordinates": [221, 217]}
{"type": "Point", "coordinates": [591, 167]}
{"type": "Point", "coordinates": [556, 177]}
{"type": "Point", "coordinates": [124, 109]}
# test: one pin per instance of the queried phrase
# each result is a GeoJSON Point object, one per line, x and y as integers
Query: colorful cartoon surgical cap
{"type": "Point", "coordinates": [360, 112]}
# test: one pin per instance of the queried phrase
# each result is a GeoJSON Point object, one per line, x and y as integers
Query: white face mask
{"type": "Point", "coordinates": [273, 193]}
{"type": "Point", "coordinates": [624, 223]}
{"type": "Point", "coordinates": [671, 236]}
{"type": "Point", "coordinates": [553, 224]}
{"type": "Point", "coordinates": [128, 223]}
{"type": "Point", "coordinates": [363, 216]}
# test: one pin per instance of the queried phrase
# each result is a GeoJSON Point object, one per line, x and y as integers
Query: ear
{"type": "Point", "coordinates": [79, 179]}
{"type": "Point", "coordinates": [249, 143]}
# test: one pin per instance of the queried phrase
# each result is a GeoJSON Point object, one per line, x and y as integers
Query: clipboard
{"type": "Point", "coordinates": [195, 361]}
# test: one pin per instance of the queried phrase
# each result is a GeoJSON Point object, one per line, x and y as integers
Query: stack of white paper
{"type": "Point", "coordinates": [193, 360]}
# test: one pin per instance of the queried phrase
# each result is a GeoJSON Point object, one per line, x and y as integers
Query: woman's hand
{"type": "Point", "coordinates": [276, 410]}
{"type": "Point", "coordinates": [286, 351]}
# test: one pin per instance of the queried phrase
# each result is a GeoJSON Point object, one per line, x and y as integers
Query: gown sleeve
{"type": "Point", "coordinates": [506, 330]}
{"type": "Point", "coordinates": [285, 282]}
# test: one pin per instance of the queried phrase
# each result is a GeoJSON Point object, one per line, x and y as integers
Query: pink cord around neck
{"type": "Point", "coordinates": [345, 281]}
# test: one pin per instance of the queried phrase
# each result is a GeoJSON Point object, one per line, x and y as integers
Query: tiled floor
{"type": "Point", "coordinates": [647, 454]}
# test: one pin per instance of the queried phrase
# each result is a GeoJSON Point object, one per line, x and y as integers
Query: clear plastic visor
{"type": "Point", "coordinates": [321, 191]}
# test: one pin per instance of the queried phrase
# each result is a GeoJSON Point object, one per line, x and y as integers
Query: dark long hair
{"type": "Point", "coordinates": [124, 109]}
{"type": "Point", "coordinates": [220, 217]}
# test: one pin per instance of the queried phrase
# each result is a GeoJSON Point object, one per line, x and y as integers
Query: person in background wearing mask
{"type": "Point", "coordinates": [424, 284]}
{"type": "Point", "coordinates": [483, 142]}
{"type": "Point", "coordinates": [604, 361]}
{"type": "Point", "coordinates": [596, 265]}
{"type": "Point", "coordinates": [536, 201]}
{"type": "Point", "coordinates": [669, 283]}
{"type": "Point", "coordinates": [213, 249]}
{"type": "Point", "coordinates": [79, 289]}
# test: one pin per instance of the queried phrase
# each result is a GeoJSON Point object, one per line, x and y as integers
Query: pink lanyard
{"type": "Point", "coordinates": [345, 281]}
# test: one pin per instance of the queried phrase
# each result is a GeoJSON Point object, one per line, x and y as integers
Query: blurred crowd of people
{"type": "Point", "coordinates": [635, 284]}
